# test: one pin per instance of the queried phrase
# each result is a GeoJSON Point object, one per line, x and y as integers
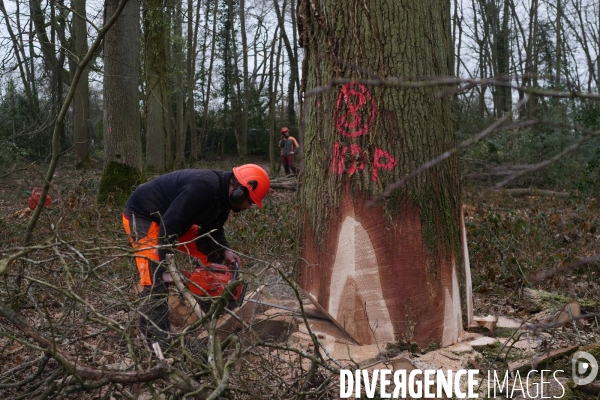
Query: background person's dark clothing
{"type": "Point", "coordinates": [288, 145]}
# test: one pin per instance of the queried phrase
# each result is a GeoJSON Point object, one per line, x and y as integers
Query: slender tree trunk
{"type": "Point", "coordinates": [293, 63]}
{"type": "Point", "coordinates": [558, 28]}
{"type": "Point", "coordinates": [81, 101]}
{"type": "Point", "coordinates": [192, 40]}
{"type": "Point", "coordinates": [273, 83]}
{"type": "Point", "coordinates": [245, 95]}
{"type": "Point", "coordinates": [207, 93]}
{"type": "Point", "coordinates": [170, 83]}
{"type": "Point", "coordinates": [180, 67]}
{"type": "Point", "coordinates": [157, 116]}
{"type": "Point", "coordinates": [387, 272]}
{"type": "Point", "coordinates": [503, 44]}
{"type": "Point", "coordinates": [19, 52]}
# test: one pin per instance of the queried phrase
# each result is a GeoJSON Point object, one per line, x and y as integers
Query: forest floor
{"type": "Point", "coordinates": [511, 239]}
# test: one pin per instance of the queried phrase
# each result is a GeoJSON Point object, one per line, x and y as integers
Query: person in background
{"type": "Point", "coordinates": [289, 147]}
{"type": "Point", "coordinates": [179, 207]}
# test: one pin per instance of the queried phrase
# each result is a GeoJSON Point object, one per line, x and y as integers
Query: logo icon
{"type": "Point", "coordinates": [583, 364]}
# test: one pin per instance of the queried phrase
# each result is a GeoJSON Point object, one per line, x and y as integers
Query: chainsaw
{"type": "Point", "coordinates": [210, 281]}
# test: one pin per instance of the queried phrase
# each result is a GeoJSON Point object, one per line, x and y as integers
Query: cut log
{"type": "Point", "coordinates": [180, 312]}
{"type": "Point", "coordinates": [488, 322]}
{"type": "Point", "coordinates": [284, 185]}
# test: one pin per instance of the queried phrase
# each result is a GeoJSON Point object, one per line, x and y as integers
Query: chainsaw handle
{"type": "Point", "coordinates": [236, 271]}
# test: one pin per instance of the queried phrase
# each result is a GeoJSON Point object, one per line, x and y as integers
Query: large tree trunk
{"type": "Point", "coordinates": [122, 141]}
{"type": "Point", "coordinates": [391, 271]}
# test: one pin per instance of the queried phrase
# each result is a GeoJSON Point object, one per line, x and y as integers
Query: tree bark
{"type": "Point", "coordinates": [204, 131]}
{"type": "Point", "coordinates": [245, 95]}
{"type": "Point", "coordinates": [388, 272]}
{"type": "Point", "coordinates": [122, 139]}
{"type": "Point", "coordinates": [180, 67]}
{"type": "Point", "coordinates": [157, 117]}
{"type": "Point", "coordinates": [273, 82]}
{"type": "Point", "coordinates": [192, 41]}
{"type": "Point", "coordinates": [81, 101]}
{"type": "Point", "coordinates": [558, 28]}
{"type": "Point", "coordinates": [292, 54]}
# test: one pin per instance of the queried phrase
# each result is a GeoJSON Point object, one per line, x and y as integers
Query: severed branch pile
{"type": "Point", "coordinates": [70, 329]}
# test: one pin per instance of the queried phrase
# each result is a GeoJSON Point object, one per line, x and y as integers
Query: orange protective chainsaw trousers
{"type": "Point", "coordinates": [144, 237]}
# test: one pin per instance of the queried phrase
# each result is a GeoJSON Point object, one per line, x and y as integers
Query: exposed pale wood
{"type": "Point", "coordinates": [384, 270]}
{"type": "Point", "coordinates": [227, 324]}
{"type": "Point", "coordinates": [308, 312]}
{"type": "Point", "coordinates": [468, 283]}
{"type": "Point", "coordinates": [325, 312]}
{"type": "Point", "coordinates": [569, 312]}
{"type": "Point", "coordinates": [488, 322]}
{"type": "Point", "coordinates": [183, 290]}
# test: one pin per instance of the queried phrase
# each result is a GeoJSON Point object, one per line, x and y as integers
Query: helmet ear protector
{"type": "Point", "coordinates": [241, 193]}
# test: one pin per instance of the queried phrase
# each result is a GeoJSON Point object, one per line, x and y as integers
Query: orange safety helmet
{"type": "Point", "coordinates": [284, 130]}
{"type": "Point", "coordinates": [252, 172]}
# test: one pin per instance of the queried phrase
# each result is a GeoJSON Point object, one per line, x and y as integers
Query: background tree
{"type": "Point", "coordinates": [81, 107]}
{"type": "Point", "coordinates": [122, 140]}
{"type": "Point", "coordinates": [158, 124]}
{"type": "Point", "coordinates": [391, 271]}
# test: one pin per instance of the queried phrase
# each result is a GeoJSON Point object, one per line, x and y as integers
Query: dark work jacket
{"type": "Point", "coordinates": [181, 198]}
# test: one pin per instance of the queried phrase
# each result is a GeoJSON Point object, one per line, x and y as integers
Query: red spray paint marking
{"type": "Point", "coordinates": [381, 160]}
{"type": "Point", "coordinates": [339, 159]}
{"type": "Point", "coordinates": [356, 153]}
{"type": "Point", "coordinates": [355, 96]}
{"type": "Point", "coordinates": [377, 164]}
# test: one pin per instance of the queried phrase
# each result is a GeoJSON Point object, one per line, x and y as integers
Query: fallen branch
{"type": "Point", "coordinates": [535, 192]}
{"type": "Point", "coordinates": [189, 297]}
{"type": "Point", "coordinates": [524, 366]}
{"type": "Point", "coordinates": [579, 263]}
{"type": "Point", "coordinates": [73, 364]}
{"type": "Point", "coordinates": [284, 185]}
{"type": "Point", "coordinates": [590, 388]}
{"type": "Point", "coordinates": [498, 171]}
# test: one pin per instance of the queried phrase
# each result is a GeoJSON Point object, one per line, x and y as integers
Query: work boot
{"type": "Point", "coordinates": [154, 323]}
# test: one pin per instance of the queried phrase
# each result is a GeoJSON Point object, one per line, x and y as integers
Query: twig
{"type": "Point", "coordinates": [429, 164]}
{"type": "Point", "coordinates": [73, 364]}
